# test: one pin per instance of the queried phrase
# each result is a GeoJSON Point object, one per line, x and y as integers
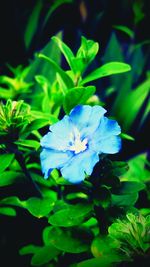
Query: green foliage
{"type": "Point", "coordinates": [6, 159]}
{"type": "Point", "coordinates": [132, 234]}
{"type": "Point", "coordinates": [77, 95]}
{"type": "Point", "coordinates": [70, 241]}
{"type": "Point", "coordinates": [17, 85]}
{"type": "Point", "coordinates": [70, 215]}
{"type": "Point", "coordinates": [14, 117]}
{"type": "Point", "coordinates": [106, 70]}
{"type": "Point", "coordinates": [78, 219]}
{"type": "Point", "coordinates": [37, 207]}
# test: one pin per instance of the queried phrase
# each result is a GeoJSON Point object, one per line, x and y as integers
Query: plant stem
{"type": "Point", "coordinates": [100, 215]}
{"type": "Point", "coordinates": [19, 157]}
{"type": "Point", "coordinates": [21, 161]}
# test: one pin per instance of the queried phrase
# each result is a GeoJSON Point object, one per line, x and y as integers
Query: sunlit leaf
{"type": "Point", "coordinates": [70, 215]}
{"type": "Point", "coordinates": [7, 211]}
{"type": "Point", "coordinates": [64, 76]}
{"type": "Point", "coordinates": [106, 70]}
{"type": "Point", "coordinates": [5, 160]}
{"type": "Point", "coordinates": [10, 177]}
{"type": "Point", "coordinates": [76, 96]}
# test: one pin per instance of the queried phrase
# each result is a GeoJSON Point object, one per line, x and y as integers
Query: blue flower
{"type": "Point", "coordinates": [74, 144]}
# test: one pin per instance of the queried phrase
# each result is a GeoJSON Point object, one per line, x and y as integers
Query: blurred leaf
{"type": "Point", "coordinates": [70, 215]}
{"type": "Point", "coordinates": [5, 160]}
{"type": "Point", "coordinates": [127, 137]}
{"type": "Point", "coordinates": [138, 12]}
{"type": "Point", "coordinates": [45, 116]}
{"type": "Point", "coordinates": [107, 260]}
{"type": "Point", "coordinates": [67, 80]}
{"type": "Point", "coordinates": [68, 241]}
{"type": "Point", "coordinates": [39, 179]}
{"type": "Point", "coordinates": [106, 70]}
{"type": "Point", "coordinates": [53, 7]}
{"type": "Point", "coordinates": [7, 211]}
{"type": "Point", "coordinates": [32, 23]}
{"type": "Point", "coordinates": [124, 29]}
{"type": "Point", "coordinates": [36, 206]}
{"type": "Point", "coordinates": [42, 67]}
{"type": "Point", "coordinates": [28, 143]}
{"type": "Point", "coordinates": [130, 187]}
{"type": "Point", "coordinates": [37, 124]}
{"type": "Point", "coordinates": [137, 171]}
{"type": "Point", "coordinates": [124, 200]}
{"type": "Point", "coordinates": [43, 255]}
{"type": "Point", "coordinates": [29, 249]}
{"type": "Point", "coordinates": [76, 96]}
{"type": "Point", "coordinates": [104, 247]}
{"type": "Point", "coordinates": [119, 168]}
{"type": "Point", "coordinates": [10, 177]}
{"type": "Point", "coordinates": [113, 50]}
{"type": "Point", "coordinates": [45, 235]}
{"type": "Point", "coordinates": [66, 52]}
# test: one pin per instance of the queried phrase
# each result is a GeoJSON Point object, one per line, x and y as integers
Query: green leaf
{"type": "Point", "coordinates": [66, 52]}
{"type": "Point", "coordinates": [28, 143]}
{"type": "Point", "coordinates": [29, 249]}
{"type": "Point", "coordinates": [88, 50]}
{"type": "Point", "coordinates": [130, 187]}
{"type": "Point", "coordinates": [137, 171]}
{"type": "Point", "coordinates": [124, 200]}
{"type": "Point", "coordinates": [106, 250]}
{"type": "Point", "coordinates": [53, 7]}
{"type": "Point", "coordinates": [69, 241]}
{"type": "Point", "coordinates": [76, 96]}
{"type": "Point", "coordinates": [85, 54]}
{"type": "Point", "coordinates": [106, 261]}
{"type": "Point", "coordinates": [38, 207]}
{"type": "Point", "coordinates": [32, 23]}
{"type": "Point", "coordinates": [127, 137]}
{"type": "Point", "coordinates": [37, 124]}
{"type": "Point", "coordinates": [124, 29]}
{"type": "Point", "coordinates": [7, 211]}
{"type": "Point", "coordinates": [133, 101]}
{"type": "Point", "coordinates": [119, 168]}
{"type": "Point", "coordinates": [5, 160]}
{"type": "Point", "coordinates": [43, 255]}
{"type": "Point", "coordinates": [45, 235]}
{"type": "Point", "coordinates": [70, 215]}
{"type": "Point", "coordinates": [15, 201]}
{"type": "Point", "coordinates": [106, 70]}
{"type": "Point", "coordinates": [10, 177]}
{"type": "Point", "coordinates": [67, 80]}
{"type": "Point", "coordinates": [45, 116]}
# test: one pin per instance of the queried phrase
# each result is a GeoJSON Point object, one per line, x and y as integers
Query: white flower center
{"type": "Point", "coordinates": [76, 144]}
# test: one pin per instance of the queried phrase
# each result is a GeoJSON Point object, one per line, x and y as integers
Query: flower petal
{"type": "Point", "coordinates": [51, 159]}
{"type": "Point", "coordinates": [62, 128]}
{"type": "Point", "coordinates": [52, 141]}
{"type": "Point", "coordinates": [109, 145]}
{"type": "Point", "coordinates": [59, 136]}
{"type": "Point", "coordinates": [106, 129]}
{"type": "Point", "coordinates": [74, 170]}
{"type": "Point", "coordinates": [87, 118]}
